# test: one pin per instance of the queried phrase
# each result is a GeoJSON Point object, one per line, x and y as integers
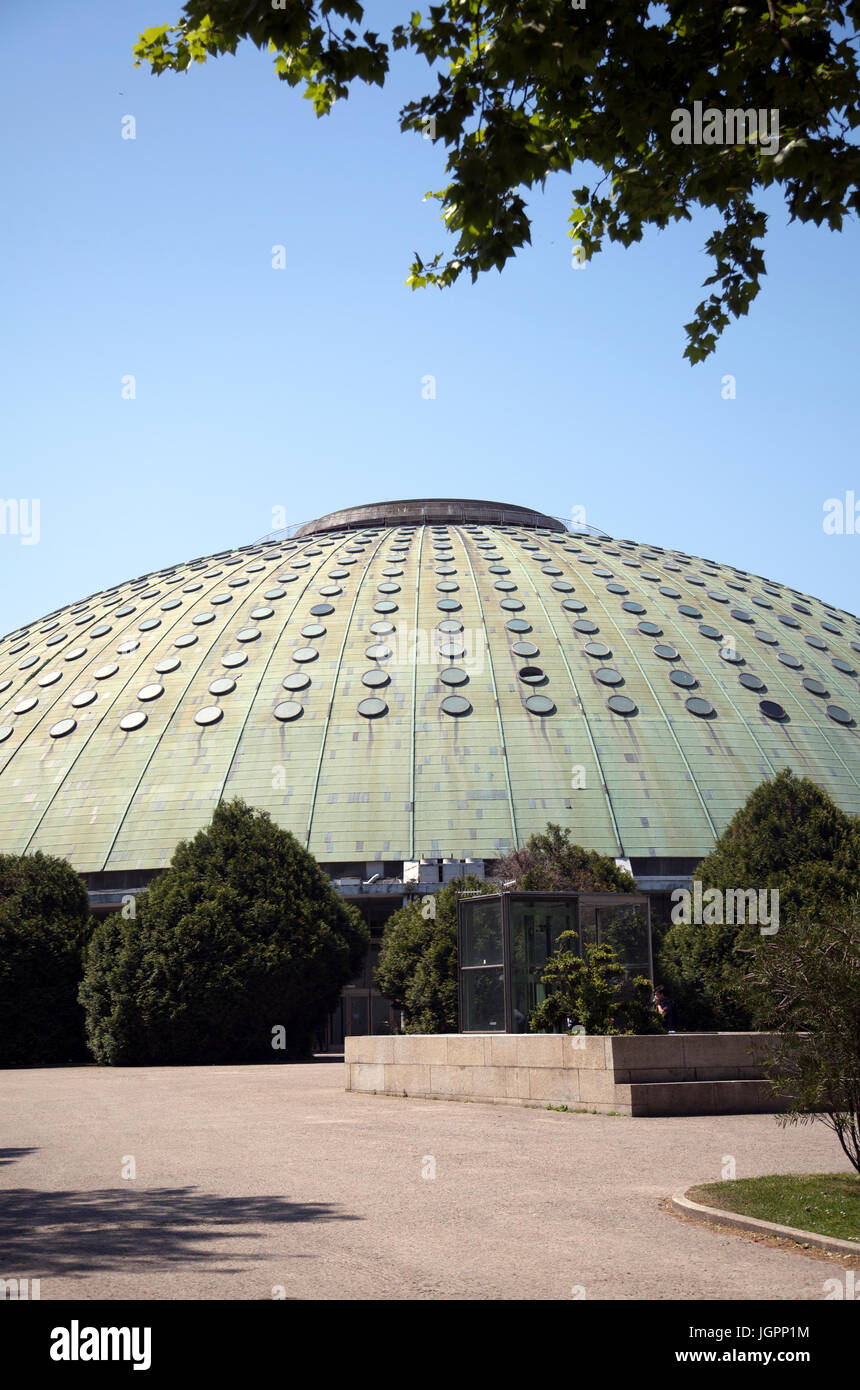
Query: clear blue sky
{"type": "Point", "coordinates": [301, 388]}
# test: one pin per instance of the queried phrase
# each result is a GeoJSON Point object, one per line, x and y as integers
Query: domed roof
{"type": "Point", "coordinates": [421, 679]}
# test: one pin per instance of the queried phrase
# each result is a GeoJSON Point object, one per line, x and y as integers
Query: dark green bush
{"type": "Point", "coordinates": [788, 835]}
{"type": "Point", "coordinates": [593, 993]}
{"type": "Point", "coordinates": [417, 967]}
{"type": "Point", "coordinates": [44, 925]}
{"type": "Point", "coordinates": [241, 936]}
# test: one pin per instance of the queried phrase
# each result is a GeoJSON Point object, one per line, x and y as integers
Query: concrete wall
{"type": "Point", "coordinates": [667, 1074]}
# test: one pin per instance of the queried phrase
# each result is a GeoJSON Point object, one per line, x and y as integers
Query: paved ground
{"type": "Point", "coordinates": [251, 1179]}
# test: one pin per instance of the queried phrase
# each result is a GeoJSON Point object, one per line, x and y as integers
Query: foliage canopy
{"type": "Point", "coordinates": [789, 835]}
{"type": "Point", "coordinates": [44, 925]}
{"type": "Point", "coordinates": [242, 935]}
{"type": "Point", "coordinates": [417, 967]}
{"type": "Point", "coordinates": [804, 983]}
{"type": "Point", "coordinates": [552, 863]}
{"type": "Point", "coordinates": [592, 993]}
{"type": "Point", "coordinates": [529, 88]}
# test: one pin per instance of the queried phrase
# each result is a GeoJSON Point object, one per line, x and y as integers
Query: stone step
{"type": "Point", "coordinates": [704, 1098]}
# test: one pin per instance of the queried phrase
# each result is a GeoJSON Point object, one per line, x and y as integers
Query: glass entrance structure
{"type": "Point", "coordinates": [505, 940]}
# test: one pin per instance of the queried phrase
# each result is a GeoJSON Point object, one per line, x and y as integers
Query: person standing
{"type": "Point", "coordinates": [666, 1008]}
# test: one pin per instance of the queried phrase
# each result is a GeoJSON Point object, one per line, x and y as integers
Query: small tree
{"type": "Point", "coordinates": [417, 968]}
{"type": "Point", "coordinates": [789, 835]}
{"type": "Point", "coordinates": [241, 938]}
{"type": "Point", "coordinates": [804, 983]}
{"type": "Point", "coordinates": [44, 925]}
{"type": "Point", "coordinates": [594, 993]}
{"type": "Point", "coordinates": [551, 863]}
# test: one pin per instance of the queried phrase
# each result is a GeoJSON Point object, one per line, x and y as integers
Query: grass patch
{"type": "Point", "coordinates": [827, 1203]}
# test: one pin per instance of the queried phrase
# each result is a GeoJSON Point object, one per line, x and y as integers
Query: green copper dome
{"type": "Point", "coordinates": [422, 679]}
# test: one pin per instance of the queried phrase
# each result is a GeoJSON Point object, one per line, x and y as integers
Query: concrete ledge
{"type": "Point", "coordinates": [666, 1074]}
{"type": "Point", "coordinates": [683, 1204]}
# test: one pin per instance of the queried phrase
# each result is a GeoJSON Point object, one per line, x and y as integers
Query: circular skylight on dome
{"type": "Point", "coordinates": [597, 649]}
{"type": "Point", "coordinates": [220, 598]}
{"type": "Point", "coordinates": [696, 705]}
{"type": "Point", "coordinates": [574, 605]}
{"type": "Point", "coordinates": [607, 675]}
{"type": "Point", "coordinates": [620, 704]}
{"type": "Point", "coordinates": [6, 731]}
{"type": "Point", "coordinates": [840, 715]}
{"type": "Point", "coordinates": [450, 605]}
{"type": "Point", "coordinates": [713, 632]}
{"type": "Point", "coordinates": [297, 680]}
{"type": "Point", "coordinates": [202, 618]}
{"type": "Point", "coordinates": [506, 586]}
{"type": "Point", "coordinates": [532, 675]}
{"type": "Point", "coordinates": [379, 652]}
{"type": "Point", "coordinates": [248, 634]}
{"type": "Point", "coordinates": [451, 625]}
{"type": "Point", "coordinates": [187, 640]}
{"type": "Point", "coordinates": [152, 691]}
{"type": "Point", "coordinates": [683, 678]}
{"type": "Point", "coordinates": [524, 649]}
{"type": "Point", "coordinates": [101, 630]}
{"type": "Point", "coordinates": [844, 666]}
{"type": "Point", "coordinates": [375, 677]}
{"type": "Point", "coordinates": [49, 678]}
{"type": "Point", "coordinates": [386, 606]}
{"type": "Point", "coordinates": [305, 654]}
{"type": "Point", "coordinates": [634, 607]}
{"type": "Point", "coordinates": [209, 714]}
{"type": "Point", "coordinates": [287, 710]}
{"type": "Point", "coordinates": [234, 659]}
{"type": "Point", "coordinates": [585, 625]}
{"type": "Point", "coordinates": [788, 660]}
{"type": "Point", "coordinates": [372, 708]}
{"type": "Point", "coordinates": [817, 643]}
{"type": "Point", "coordinates": [540, 704]}
{"type": "Point", "coordinates": [382, 629]}
{"type": "Point", "coordinates": [771, 709]}
{"type": "Point", "coordinates": [664, 650]}
{"type": "Point", "coordinates": [313, 630]}
{"type": "Point", "coordinates": [751, 682]}
{"type": "Point", "coordinates": [650, 629]}
{"type": "Point", "coordinates": [688, 610]}
{"type": "Point", "coordinates": [31, 660]}
{"type": "Point", "coordinates": [222, 686]}
{"type": "Point", "coordinates": [24, 706]}
{"type": "Point", "coordinates": [815, 687]}
{"type": "Point", "coordinates": [512, 605]}
{"type": "Point", "coordinates": [766, 637]}
{"type": "Point", "coordinates": [562, 586]}
{"type": "Point", "coordinates": [63, 727]}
